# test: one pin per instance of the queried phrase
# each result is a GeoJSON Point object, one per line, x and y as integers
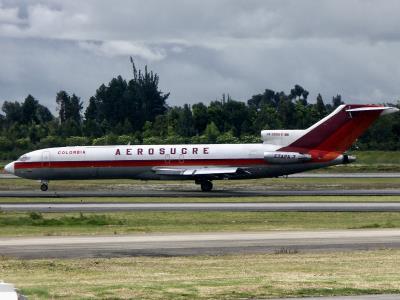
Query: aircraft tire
{"type": "Point", "coordinates": [44, 187]}
{"type": "Point", "coordinates": [206, 186]}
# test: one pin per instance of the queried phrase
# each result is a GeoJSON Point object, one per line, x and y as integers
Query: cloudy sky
{"type": "Point", "coordinates": [202, 49]}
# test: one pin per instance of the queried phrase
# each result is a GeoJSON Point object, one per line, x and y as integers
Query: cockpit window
{"type": "Point", "coordinates": [24, 158]}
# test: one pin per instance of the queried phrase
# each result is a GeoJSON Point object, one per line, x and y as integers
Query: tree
{"type": "Point", "coordinates": [320, 106]}
{"type": "Point", "coordinates": [13, 112]}
{"type": "Point", "coordinates": [200, 117]}
{"type": "Point", "coordinates": [92, 110]}
{"type": "Point", "coordinates": [236, 114]}
{"type": "Point", "coordinates": [266, 118]}
{"type": "Point", "coordinates": [113, 105]}
{"type": "Point", "coordinates": [266, 99]}
{"type": "Point", "coordinates": [74, 109]}
{"type": "Point", "coordinates": [160, 125]}
{"type": "Point", "coordinates": [135, 102]}
{"type": "Point", "coordinates": [29, 110]}
{"type": "Point", "coordinates": [152, 100]}
{"type": "Point", "coordinates": [92, 121]}
{"type": "Point", "coordinates": [184, 122]}
{"type": "Point", "coordinates": [69, 107]}
{"type": "Point", "coordinates": [33, 112]}
{"type": "Point", "coordinates": [286, 111]}
{"type": "Point", "coordinates": [43, 114]}
{"type": "Point", "coordinates": [216, 114]}
{"type": "Point", "coordinates": [63, 102]}
{"type": "Point", "coordinates": [336, 101]}
{"type": "Point", "coordinates": [300, 92]}
{"type": "Point", "coordinates": [211, 133]}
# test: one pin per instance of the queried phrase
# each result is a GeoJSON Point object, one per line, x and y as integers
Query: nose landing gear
{"type": "Point", "coordinates": [44, 185]}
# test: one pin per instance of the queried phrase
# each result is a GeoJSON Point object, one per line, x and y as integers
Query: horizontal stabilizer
{"type": "Point", "coordinates": [385, 109]}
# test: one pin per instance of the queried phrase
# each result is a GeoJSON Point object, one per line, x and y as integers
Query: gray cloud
{"type": "Point", "coordinates": [202, 49]}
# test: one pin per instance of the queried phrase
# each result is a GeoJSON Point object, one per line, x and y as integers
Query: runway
{"type": "Point", "coordinates": [198, 243]}
{"type": "Point", "coordinates": [203, 206]}
{"type": "Point", "coordinates": [197, 194]}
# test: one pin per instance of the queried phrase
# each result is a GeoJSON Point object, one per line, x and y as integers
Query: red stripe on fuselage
{"type": "Point", "coordinates": [137, 163]}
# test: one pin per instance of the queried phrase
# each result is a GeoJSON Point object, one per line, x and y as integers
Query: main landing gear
{"type": "Point", "coordinates": [44, 185]}
{"type": "Point", "coordinates": [206, 185]}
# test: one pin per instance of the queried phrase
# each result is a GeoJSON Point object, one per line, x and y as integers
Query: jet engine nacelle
{"type": "Point", "coordinates": [280, 157]}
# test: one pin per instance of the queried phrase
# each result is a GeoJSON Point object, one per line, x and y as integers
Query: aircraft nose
{"type": "Point", "coordinates": [9, 168]}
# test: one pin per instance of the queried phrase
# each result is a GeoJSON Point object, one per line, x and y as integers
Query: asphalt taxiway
{"type": "Point", "coordinates": [204, 206]}
{"type": "Point", "coordinates": [198, 243]}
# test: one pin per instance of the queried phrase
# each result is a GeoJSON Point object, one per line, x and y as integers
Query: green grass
{"type": "Point", "coordinates": [37, 219]}
{"type": "Point", "coordinates": [208, 277]}
{"type": "Point", "coordinates": [377, 157]}
{"type": "Point", "coordinates": [47, 224]}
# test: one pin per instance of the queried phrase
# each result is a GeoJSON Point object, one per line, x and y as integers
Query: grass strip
{"type": "Point", "coordinates": [48, 224]}
{"type": "Point", "coordinates": [208, 277]}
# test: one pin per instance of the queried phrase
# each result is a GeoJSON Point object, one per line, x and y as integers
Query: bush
{"type": "Point", "coordinates": [126, 139]}
{"type": "Point", "coordinates": [77, 141]}
{"type": "Point", "coordinates": [110, 139]}
{"type": "Point", "coordinates": [51, 141]}
{"type": "Point", "coordinates": [100, 141]}
{"type": "Point", "coordinates": [35, 216]}
{"type": "Point", "coordinates": [227, 138]}
{"type": "Point", "coordinates": [5, 144]}
{"type": "Point", "coordinates": [153, 140]}
{"type": "Point", "coordinates": [175, 139]}
{"type": "Point", "coordinates": [23, 143]}
{"type": "Point", "coordinates": [250, 139]}
{"type": "Point", "coordinates": [199, 139]}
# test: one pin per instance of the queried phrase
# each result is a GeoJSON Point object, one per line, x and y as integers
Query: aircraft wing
{"type": "Point", "coordinates": [198, 171]}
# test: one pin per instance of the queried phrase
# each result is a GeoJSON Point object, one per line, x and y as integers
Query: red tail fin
{"type": "Point", "coordinates": [338, 131]}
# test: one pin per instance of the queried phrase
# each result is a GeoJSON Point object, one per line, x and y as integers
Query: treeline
{"type": "Point", "coordinates": [136, 112]}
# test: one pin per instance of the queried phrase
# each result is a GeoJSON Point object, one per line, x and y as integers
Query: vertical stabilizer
{"type": "Point", "coordinates": [338, 131]}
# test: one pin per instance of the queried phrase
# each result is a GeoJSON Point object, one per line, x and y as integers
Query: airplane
{"type": "Point", "coordinates": [282, 152]}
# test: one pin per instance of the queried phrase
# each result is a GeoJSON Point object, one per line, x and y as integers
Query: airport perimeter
{"type": "Point", "coordinates": [231, 246]}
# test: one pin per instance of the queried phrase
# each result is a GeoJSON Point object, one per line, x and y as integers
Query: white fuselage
{"type": "Point", "coordinates": [140, 161]}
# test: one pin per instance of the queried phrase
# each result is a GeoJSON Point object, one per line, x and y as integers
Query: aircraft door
{"type": "Point", "coordinates": [45, 159]}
